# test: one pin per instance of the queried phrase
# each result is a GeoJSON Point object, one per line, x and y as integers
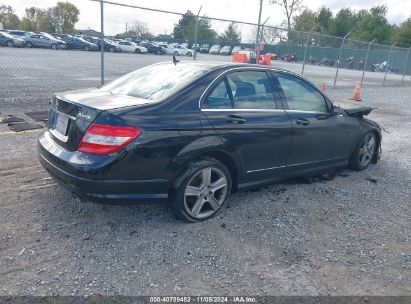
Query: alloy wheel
{"type": "Point", "coordinates": [367, 150]}
{"type": "Point", "coordinates": [205, 192]}
{"type": "Point", "coordinates": [10, 44]}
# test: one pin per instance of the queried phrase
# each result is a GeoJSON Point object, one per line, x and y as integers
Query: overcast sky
{"type": "Point", "coordinates": [244, 10]}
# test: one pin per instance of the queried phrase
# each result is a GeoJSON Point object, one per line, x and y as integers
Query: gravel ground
{"type": "Point", "coordinates": [347, 236]}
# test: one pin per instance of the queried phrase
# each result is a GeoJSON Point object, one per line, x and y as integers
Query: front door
{"type": "Point", "coordinates": [319, 136]}
{"type": "Point", "coordinates": [249, 119]}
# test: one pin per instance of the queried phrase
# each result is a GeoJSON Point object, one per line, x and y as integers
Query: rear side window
{"type": "Point", "coordinates": [300, 95]}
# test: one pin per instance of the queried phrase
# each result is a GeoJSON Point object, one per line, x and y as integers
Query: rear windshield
{"type": "Point", "coordinates": [156, 82]}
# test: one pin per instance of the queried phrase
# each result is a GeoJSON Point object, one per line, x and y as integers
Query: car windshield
{"type": "Point", "coordinates": [156, 82]}
{"type": "Point", "coordinates": [6, 34]}
{"type": "Point", "coordinates": [47, 35]}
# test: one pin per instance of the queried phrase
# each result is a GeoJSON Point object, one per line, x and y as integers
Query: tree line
{"type": "Point", "coordinates": [364, 25]}
{"type": "Point", "coordinates": [58, 19]}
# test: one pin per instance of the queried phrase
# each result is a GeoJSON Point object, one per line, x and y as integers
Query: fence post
{"type": "Point", "coordinates": [195, 34]}
{"type": "Point", "coordinates": [102, 41]}
{"type": "Point", "coordinates": [388, 62]}
{"type": "Point", "coordinates": [366, 59]}
{"type": "Point", "coordinates": [405, 67]}
{"type": "Point", "coordinates": [339, 59]}
{"type": "Point", "coordinates": [305, 50]}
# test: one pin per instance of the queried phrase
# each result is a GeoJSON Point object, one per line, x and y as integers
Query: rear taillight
{"type": "Point", "coordinates": [105, 139]}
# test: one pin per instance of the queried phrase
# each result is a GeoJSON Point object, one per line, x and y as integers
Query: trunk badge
{"type": "Point", "coordinates": [84, 116]}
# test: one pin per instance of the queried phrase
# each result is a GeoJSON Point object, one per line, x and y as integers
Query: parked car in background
{"type": "Point", "coordinates": [153, 48]}
{"type": "Point", "coordinates": [181, 50]}
{"type": "Point", "coordinates": [61, 44]}
{"type": "Point", "coordinates": [215, 49]}
{"type": "Point", "coordinates": [236, 49]}
{"type": "Point", "coordinates": [43, 41]}
{"type": "Point", "coordinates": [77, 43]}
{"type": "Point", "coordinates": [10, 41]}
{"type": "Point", "coordinates": [21, 34]}
{"type": "Point", "coordinates": [195, 47]}
{"type": "Point", "coordinates": [168, 49]}
{"type": "Point", "coordinates": [225, 50]}
{"type": "Point", "coordinates": [131, 47]}
{"type": "Point", "coordinates": [108, 44]}
{"type": "Point", "coordinates": [289, 57]}
{"type": "Point", "coordinates": [205, 48]}
{"type": "Point", "coordinates": [273, 56]}
{"type": "Point", "coordinates": [184, 45]}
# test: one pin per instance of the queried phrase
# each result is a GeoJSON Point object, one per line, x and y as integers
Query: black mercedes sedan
{"type": "Point", "coordinates": [191, 133]}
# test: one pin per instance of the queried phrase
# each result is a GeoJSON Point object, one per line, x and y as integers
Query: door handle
{"type": "Point", "coordinates": [235, 118]}
{"type": "Point", "coordinates": [302, 122]}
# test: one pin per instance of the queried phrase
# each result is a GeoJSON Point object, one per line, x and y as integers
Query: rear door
{"type": "Point", "coordinates": [35, 40]}
{"type": "Point", "coordinates": [319, 137]}
{"type": "Point", "coordinates": [248, 117]}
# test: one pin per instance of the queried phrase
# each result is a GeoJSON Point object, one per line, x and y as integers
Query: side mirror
{"type": "Point", "coordinates": [335, 110]}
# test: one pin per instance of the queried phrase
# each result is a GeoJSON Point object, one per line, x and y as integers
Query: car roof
{"type": "Point", "coordinates": [224, 66]}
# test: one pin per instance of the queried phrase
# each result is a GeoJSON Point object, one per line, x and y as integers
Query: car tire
{"type": "Point", "coordinates": [87, 48]}
{"type": "Point", "coordinates": [111, 50]}
{"type": "Point", "coordinates": [29, 44]}
{"type": "Point", "coordinates": [364, 153]}
{"type": "Point", "coordinates": [10, 43]}
{"type": "Point", "coordinates": [137, 51]}
{"type": "Point", "coordinates": [196, 196]}
{"type": "Point", "coordinates": [189, 54]}
{"type": "Point", "coordinates": [54, 46]}
{"type": "Point", "coordinates": [158, 52]}
{"type": "Point", "coordinates": [175, 53]}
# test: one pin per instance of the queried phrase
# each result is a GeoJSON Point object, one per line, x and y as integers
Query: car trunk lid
{"type": "Point", "coordinates": [71, 113]}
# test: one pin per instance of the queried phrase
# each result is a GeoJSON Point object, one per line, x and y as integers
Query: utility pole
{"type": "Point", "coordinates": [195, 34]}
{"type": "Point", "coordinates": [102, 41]}
{"type": "Point", "coordinates": [258, 31]}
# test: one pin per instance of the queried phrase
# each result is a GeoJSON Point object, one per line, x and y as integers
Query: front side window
{"type": "Point", "coordinates": [251, 90]}
{"type": "Point", "coordinates": [300, 95]}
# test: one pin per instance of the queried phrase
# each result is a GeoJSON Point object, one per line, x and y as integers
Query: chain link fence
{"type": "Point", "coordinates": [133, 37]}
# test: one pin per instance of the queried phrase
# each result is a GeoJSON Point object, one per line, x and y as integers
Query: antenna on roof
{"type": "Point", "coordinates": [175, 60]}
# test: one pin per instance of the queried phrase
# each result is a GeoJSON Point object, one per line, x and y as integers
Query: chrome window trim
{"type": "Point", "coordinates": [242, 110]}
{"type": "Point", "coordinates": [265, 69]}
{"type": "Point", "coordinates": [303, 111]}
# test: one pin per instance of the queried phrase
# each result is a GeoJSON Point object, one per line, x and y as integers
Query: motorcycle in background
{"type": "Point", "coordinates": [384, 67]}
{"type": "Point", "coordinates": [361, 64]}
{"type": "Point", "coordinates": [326, 61]}
{"type": "Point", "coordinates": [350, 62]}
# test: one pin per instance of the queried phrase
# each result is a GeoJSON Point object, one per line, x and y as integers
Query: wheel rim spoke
{"type": "Point", "coordinates": [222, 182]}
{"type": "Point", "coordinates": [213, 202]}
{"type": "Point", "coordinates": [206, 176]}
{"type": "Point", "coordinates": [192, 191]}
{"type": "Point", "coordinates": [197, 207]}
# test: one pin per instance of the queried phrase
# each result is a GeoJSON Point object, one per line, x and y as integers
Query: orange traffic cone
{"type": "Point", "coordinates": [323, 88]}
{"type": "Point", "coordinates": [356, 95]}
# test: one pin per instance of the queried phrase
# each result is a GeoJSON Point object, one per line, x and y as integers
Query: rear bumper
{"type": "Point", "coordinates": [75, 178]}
